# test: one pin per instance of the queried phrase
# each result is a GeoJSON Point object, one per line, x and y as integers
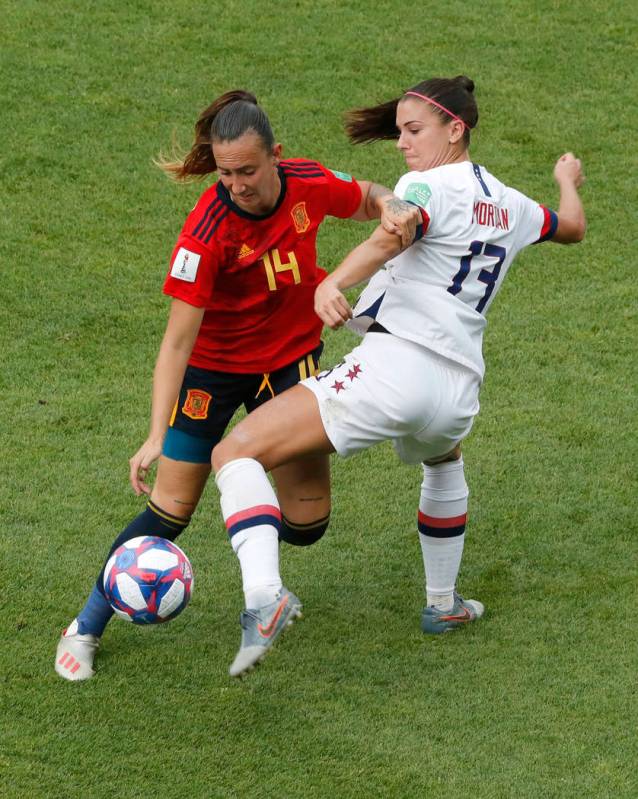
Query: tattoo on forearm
{"type": "Point", "coordinates": [398, 206]}
{"type": "Point", "coordinates": [310, 499]}
{"type": "Point", "coordinates": [375, 193]}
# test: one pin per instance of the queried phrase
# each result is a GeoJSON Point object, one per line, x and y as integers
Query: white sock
{"type": "Point", "coordinates": [442, 518]}
{"type": "Point", "coordinates": [251, 512]}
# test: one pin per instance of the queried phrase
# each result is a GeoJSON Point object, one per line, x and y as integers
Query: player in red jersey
{"type": "Point", "coordinates": [241, 329]}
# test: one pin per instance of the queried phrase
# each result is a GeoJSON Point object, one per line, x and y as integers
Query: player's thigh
{"type": "Point", "coordinates": [205, 405]}
{"type": "Point", "coordinates": [440, 439]}
{"type": "Point", "coordinates": [303, 489]}
{"type": "Point", "coordinates": [179, 485]}
{"type": "Point", "coordinates": [284, 429]}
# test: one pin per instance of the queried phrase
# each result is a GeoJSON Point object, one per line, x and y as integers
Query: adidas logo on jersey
{"type": "Point", "coordinates": [244, 251]}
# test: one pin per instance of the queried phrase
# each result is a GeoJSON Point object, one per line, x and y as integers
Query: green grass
{"type": "Point", "coordinates": [539, 699]}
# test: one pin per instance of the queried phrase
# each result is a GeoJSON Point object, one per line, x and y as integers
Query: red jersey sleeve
{"type": "Point", "coordinates": [196, 257]}
{"type": "Point", "coordinates": [344, 193]}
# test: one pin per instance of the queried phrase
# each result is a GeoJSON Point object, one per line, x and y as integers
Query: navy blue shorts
{"type": "Point", "coordinates": [208, 400]}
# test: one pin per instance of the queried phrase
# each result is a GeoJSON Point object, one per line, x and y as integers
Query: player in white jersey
{"type": "Point", "coordinates": [475, 225]}
{"type": "Point", "coordinates": [415, 378]}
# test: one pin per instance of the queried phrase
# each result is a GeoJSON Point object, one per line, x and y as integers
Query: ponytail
{"type": "Point", "coordinates": [365, 125]}
{"type": "Point", "coordinates": [456, 95]}
{"type": "Point", "coordinates": [227, 118]}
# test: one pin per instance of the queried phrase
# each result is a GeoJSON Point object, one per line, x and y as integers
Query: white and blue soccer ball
{"type": "Point", "coordinates": [148, 580]}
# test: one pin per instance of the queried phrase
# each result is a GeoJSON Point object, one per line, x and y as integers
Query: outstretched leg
{"type": "Point", "coordinates": [175, 495]}
{"type": "Point", "coordinates": [287, 428]}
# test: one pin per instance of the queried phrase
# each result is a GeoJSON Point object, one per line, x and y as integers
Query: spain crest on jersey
{"type": "Point", "coordinates": [196, 405]}
{"type": "Point", "coordinates": [300, 217]}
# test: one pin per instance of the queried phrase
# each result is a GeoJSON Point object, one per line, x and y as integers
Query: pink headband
{"type": "Point", "coordinates": [442, 107]}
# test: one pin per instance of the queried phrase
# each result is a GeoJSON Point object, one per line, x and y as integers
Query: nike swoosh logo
{"type": "Point", "coordinates": [465, 616]}
{"type": "Point", "coordinates": [269, 629]}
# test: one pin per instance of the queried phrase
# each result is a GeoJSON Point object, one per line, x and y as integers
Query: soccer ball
{"type": "Point", "coordinates": [148, 580]}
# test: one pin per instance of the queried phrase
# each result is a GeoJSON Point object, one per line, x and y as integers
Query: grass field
{"type": "Point", "coordinates": [539, 699]}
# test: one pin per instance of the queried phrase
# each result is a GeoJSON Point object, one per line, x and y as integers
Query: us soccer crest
{"type": "Point", "coordinates": [300, 217]}
{"type": "Point", "coordinates": [196, 405]}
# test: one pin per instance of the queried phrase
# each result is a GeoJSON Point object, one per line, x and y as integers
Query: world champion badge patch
{"type": "Point", "coordinates": [196, 404]}
{"type": "Point", "coordinates": [418, 193]}
{"type": "Point", "coordinates": [300, 217]}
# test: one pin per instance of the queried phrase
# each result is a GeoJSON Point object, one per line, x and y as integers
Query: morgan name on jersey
{"type": "Point", "coordinates": [437, 292]}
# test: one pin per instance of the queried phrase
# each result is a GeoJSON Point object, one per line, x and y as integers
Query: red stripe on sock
{"type": "Point", "coordinates": [432, 521]}
{"type": "Point", "coordinates": [257, 510]}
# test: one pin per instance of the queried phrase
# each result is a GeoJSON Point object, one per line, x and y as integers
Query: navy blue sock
{"type": "Point", "coordinates": [96, 613]}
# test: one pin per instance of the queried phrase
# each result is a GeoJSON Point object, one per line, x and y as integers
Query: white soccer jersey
{"type": "Point", "coordinates": [436, 292]}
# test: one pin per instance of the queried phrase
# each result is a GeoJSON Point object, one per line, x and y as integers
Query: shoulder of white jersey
{"type": "Point", "coordinates": [520, 202]}
{"type": "Point", "coordinates": [417, 187]}
{"type": "Point", "coordinates": [535, 222]}
{"type": "Point", "coordinates": [489, 185]}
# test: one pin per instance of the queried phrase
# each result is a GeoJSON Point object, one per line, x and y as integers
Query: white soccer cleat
{"type": "Point", "coordinates": [74, 657]}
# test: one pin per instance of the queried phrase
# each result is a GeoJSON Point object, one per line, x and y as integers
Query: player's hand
{"type": "Point", "coordinates": [140, 464]}
{"type": "Point", "coordinates": [568, 168]}
{"type": "Point", "coordinates": [330, 305]}
{"type": "Point", "coordinates": [400, 218]}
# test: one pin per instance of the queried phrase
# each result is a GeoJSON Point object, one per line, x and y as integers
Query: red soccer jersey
{"type": "Point", "coordinates": [256, 275]}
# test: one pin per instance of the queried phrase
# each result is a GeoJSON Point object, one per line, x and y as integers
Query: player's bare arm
{"type": "Point", "coordinates": [572, 225]}
{"type": "Point", "coordinates": [396, 216]}
{"type": "Point", "coordinates": [181, 331]}
{"type": "Point", "coordinates": [358, 266]}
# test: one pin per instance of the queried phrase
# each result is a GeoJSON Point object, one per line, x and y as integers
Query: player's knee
{"type": "Point", "coordinates": [239, 443]}
{"type": "Point", "coordinates": [182, 507]}
{"type": "Point", "coordinates": [454, 455]}
{"type": "Point", "coordinates": [227, 450]}
{"type": "Point", "coordinates": [303, 535]}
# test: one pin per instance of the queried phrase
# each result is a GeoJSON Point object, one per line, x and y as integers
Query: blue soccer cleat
{"type": "Point", "coordinates": [260, 629]}
{"type": "Point", "coordinates": [434, 621]}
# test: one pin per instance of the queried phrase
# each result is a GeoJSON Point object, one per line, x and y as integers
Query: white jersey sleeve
{"type": "Point", "coordinates": [536, 222]}
{"type": "Point", "coordinates": [438, 291]}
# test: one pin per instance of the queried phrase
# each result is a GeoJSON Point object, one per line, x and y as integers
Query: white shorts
{"type": "Point", "coordinates": [389, 388]}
